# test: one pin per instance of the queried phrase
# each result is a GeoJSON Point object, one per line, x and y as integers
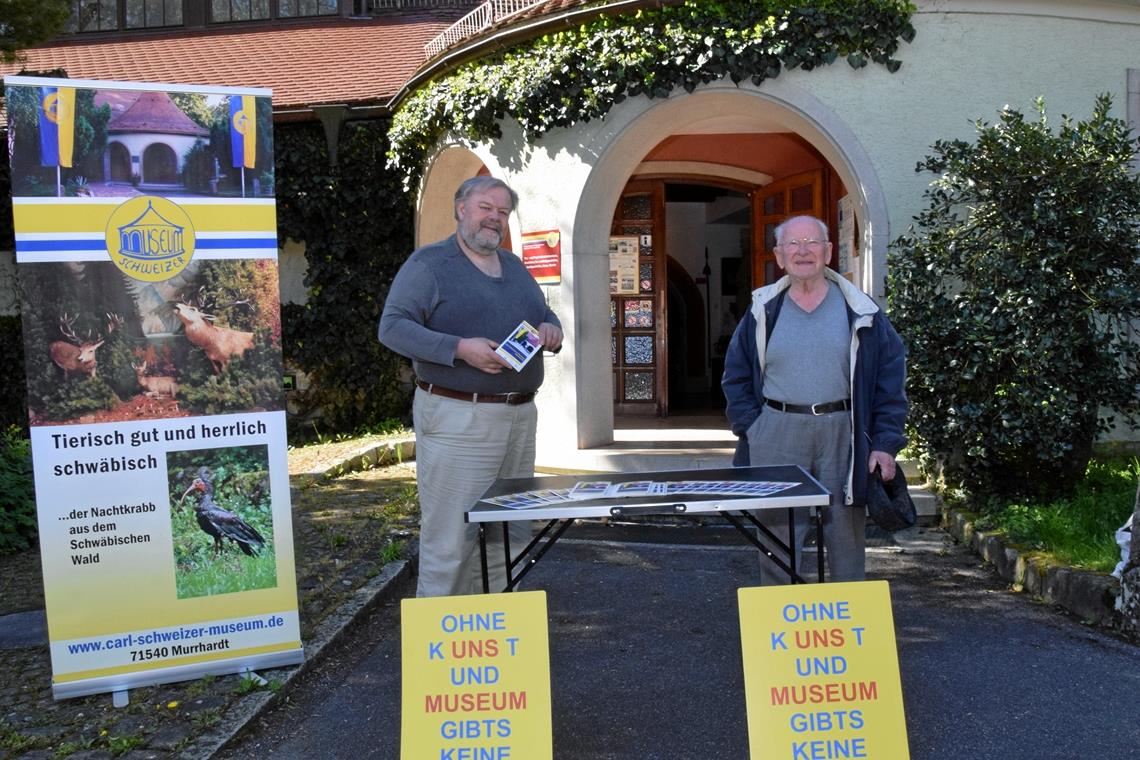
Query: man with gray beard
{"type": "Point", "coordinates": [475, 419]}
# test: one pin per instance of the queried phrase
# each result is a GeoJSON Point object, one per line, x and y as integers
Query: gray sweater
{"type": "Point", "coordinates": [439, 297]}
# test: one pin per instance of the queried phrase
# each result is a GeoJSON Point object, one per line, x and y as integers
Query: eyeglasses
{"type": "Point", "coordinates": [792, 246]}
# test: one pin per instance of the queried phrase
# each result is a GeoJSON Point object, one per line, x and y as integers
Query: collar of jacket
{"type": "Point", "coordinates": [861, 306]}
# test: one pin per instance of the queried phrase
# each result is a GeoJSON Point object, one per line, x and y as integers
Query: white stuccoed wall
{"type": "Point", "coordinates": [967, 61]}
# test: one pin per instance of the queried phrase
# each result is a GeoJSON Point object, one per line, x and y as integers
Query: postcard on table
{"type": "Point", "coordinates": [520, 346]}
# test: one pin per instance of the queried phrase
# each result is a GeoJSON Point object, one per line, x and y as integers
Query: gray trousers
{"type": "Point", "coordinates": [462, 447]}
{"type": "Point", "coordinates": [821, 445]}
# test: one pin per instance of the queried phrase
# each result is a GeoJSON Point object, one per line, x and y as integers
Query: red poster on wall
{"type": "Point", "coordinates": [542, 256]}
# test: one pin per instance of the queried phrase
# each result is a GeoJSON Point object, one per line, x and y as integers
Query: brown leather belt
{"type": "Point", "coordinates": [816, 409]}
{"type": "Point", "coordinates": [513, 399]}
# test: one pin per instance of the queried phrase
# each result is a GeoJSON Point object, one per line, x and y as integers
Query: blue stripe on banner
{"type": "Point", "coordinates": [236, 243]}
{"type": "Point", "coordinates": [28, 246]}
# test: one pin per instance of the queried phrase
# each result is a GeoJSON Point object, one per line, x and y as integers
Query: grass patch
{"type": "Point", "coordinates": [1078, 530]}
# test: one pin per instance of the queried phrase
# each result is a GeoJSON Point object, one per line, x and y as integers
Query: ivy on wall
{"type": "Point", "coordinates": [356, 225]}
{"type": "Point", "coordinates": [577, 75]}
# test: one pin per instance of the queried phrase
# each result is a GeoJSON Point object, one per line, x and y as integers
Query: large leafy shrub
{"type": "Point", "coordinates": [356, 223]}
{"type": "Point", "coordinates": [18, 506]}
{"type": "Point", "coordinates": [1016, 290]}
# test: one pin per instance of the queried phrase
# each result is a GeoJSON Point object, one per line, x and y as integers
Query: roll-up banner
{"type": "Point", "coordinates": [147, 265]}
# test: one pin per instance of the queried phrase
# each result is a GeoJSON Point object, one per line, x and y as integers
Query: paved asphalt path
{"type": "Point", "coordinates": [646, 664]}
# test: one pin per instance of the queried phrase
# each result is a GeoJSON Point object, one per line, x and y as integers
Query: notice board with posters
{"type": "Point", "coordinates": [146, 248]}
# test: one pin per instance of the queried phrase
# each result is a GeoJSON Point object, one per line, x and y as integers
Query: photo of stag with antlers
{"type": "Point", "coordinates": [101, 347]}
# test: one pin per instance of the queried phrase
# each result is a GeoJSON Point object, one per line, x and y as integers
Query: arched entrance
{"type": "Point", "coordinates": [811, 163]}
{"type": "Point", "coordinates": [120, 160]}
{"type": "Point", "coordinates": [160, 165]}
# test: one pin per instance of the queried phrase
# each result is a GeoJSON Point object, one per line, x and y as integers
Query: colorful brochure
{"type": "Point", "coordinates": [522, 345]}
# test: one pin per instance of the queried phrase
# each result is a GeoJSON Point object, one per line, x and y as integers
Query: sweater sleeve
{"type": "Point", "coordinates": [411, 299]}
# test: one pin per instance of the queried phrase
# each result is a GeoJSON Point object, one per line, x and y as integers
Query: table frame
{"type": "Point", "coordinates": [737, 510]}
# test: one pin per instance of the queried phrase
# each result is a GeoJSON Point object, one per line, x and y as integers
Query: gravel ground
{"type": "Point", "coordinates": [345, 530]}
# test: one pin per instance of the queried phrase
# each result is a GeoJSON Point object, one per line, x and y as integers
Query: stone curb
{"type": "Point", "coordinates": [331, 630]}
{"type": "Point", "coordinates": [1089, 595]}
{"type": "Point", "coordinates": [371, 455]}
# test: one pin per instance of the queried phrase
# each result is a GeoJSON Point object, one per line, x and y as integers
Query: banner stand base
{"type": "Point", "coordinates": [252, 676]}
{"type": "Point", "coordinates": [121, 698]}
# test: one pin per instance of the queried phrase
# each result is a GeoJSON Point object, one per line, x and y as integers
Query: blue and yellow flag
{"type": "Point", "coordinates": [243, 130]}
{"type": "Point", "coordinates": [57, 125]}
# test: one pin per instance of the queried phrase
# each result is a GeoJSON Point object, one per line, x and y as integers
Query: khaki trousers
{"type": "Point", "coordinates": [462, 447]}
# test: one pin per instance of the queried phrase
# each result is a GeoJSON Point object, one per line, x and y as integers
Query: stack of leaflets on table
{"type": "Point", "coordinates": [604, 489]}
{"type": "Point", "coordinates": [522, 345]}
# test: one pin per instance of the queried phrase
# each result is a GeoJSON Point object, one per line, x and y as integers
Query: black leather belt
{"type": "Point", "coordinates": [816, 409]}
{"type": "Point", "coordinates": [513, 399]}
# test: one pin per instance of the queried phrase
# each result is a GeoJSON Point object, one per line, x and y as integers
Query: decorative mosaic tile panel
{"type": "Point", "coordinates": [613, 313]}
{"type": "Point", "coordinates": [646, 278]}
{"type": "Point", "coordinates": [638, 312]}
{"type": "Point", "coordinates": [637, 207]}
{"type": "Point", "coordinates": [638, 386]}
{"type": "Point", "coordinates": [613, 349]}
{"type": "Point", "coordinates": [638, 349]}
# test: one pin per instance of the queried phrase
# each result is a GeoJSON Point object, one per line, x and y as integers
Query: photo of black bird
{"type": "Point", "coordinates": [221, 523]}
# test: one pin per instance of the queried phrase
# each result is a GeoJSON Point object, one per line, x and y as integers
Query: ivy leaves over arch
{"type": "Point", "coordinates": [579, 74]}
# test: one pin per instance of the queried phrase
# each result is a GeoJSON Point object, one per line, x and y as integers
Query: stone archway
{"type": "Point", "coordinates": [719, 108]}
{"type": "Point", "coordinates": [120, 162]}
{"type": "Point", "coordinates": [159, 164]}
{"type": "Point", "coordinates": [436, 217]}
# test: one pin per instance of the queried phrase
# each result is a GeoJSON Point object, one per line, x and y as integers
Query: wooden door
{"type": "Point", "coordinates": [771, 205]}
{"type": "Point", "coordinates": [638, 321]}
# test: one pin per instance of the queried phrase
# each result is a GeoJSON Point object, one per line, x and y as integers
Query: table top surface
{"type": "Point", "coordinates": [614, 494]}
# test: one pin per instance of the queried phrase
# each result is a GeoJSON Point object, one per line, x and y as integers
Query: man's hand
{"type": "Point", "coordinates": [480, 354]}
{"type": "Point", "coordinates": [551, 336]}
{"type": "Point", "coordinates": [886, 464]}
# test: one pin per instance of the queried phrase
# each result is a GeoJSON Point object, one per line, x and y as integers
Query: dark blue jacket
{"type": "Point", "coordinates": [878, 377]}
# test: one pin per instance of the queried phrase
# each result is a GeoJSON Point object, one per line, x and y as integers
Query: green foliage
{"type": "Point", "coordinates": [578, 74]}
{"type": "Point", "coordinates": [356, 224]}
{"type": "Point", "coordinates": [1016, 294]}
{"type": "Point", "coordinates": [1078, 530]}
{"type": "Point", "coordinates": [18, 528]}
{"type": "Point", "coordinates": [28, 22]}
{"type": "Point", "coordinates": [90, 132]}
{"type": "Point", "coordinates": [13, 393]}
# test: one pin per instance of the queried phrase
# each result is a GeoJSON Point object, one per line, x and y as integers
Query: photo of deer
{"type": "Point", "coordinates": [103, 347]}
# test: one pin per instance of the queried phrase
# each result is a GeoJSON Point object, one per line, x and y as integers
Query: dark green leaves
{"type": "Point", "coordinates": [1015, 290]}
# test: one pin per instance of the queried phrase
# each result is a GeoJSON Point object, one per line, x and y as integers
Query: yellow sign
{"type": "Point", "coordinates": [150, 238]}
{"type": "Point", "coordinates": [476, 678]}
{"type": "Point", "coordinates": [821, 672]}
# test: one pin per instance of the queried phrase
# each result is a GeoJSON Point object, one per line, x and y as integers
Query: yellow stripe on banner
{"type": "Point", "coordinates": [235, 654]}
{"type": "Point", "coordinates": [65, 123]}
{"type": "Point", "coordinates": [249, 138]}
{"type": "Point", "coordinates": [91, 217]}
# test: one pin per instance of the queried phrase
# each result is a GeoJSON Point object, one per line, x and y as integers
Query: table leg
{"type": "Point", "coordinates": [507, 555]}
{"type": "Point", "coordinates": [483, 557]}
{"type": "Point", "coordinates": [819, 542]}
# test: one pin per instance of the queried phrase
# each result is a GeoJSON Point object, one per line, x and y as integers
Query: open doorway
{"type": "Point", "coordinates": [708, 235]}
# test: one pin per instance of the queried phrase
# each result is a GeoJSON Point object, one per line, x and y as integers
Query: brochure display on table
{"type": "Point", "coordinates": [732, 493]}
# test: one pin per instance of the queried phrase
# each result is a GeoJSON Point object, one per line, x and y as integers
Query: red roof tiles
{"type": "Point", "coordinates": [155, 112]}
{"type": "Point", "coordinates": [339, 61]}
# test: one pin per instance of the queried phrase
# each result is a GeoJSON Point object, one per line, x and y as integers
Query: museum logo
{"type": "Point", "coordinates": [150, 238]}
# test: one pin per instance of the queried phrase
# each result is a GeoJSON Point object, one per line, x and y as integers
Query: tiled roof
{"type": "Point", "coordinates": [350, 61]}
{"type": "Point", "coordinates": [155, 112]}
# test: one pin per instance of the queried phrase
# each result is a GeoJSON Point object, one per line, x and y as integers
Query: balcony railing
{"type": "Point", "coordinates": [476, 21]}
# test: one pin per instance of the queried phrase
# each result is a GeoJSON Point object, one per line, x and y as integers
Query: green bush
{"type": "Point", "coordinates": [1016, 292]}
{"type": "Point", "coordinates": [13, 393]}
{"type": "Point", "coordinates": [18, 517]}
{"type": "Point", "coordinates": [356, 223]}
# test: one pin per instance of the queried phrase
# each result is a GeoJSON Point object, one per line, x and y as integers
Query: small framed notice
{"type": "Point", "coordinates": [520, 346]}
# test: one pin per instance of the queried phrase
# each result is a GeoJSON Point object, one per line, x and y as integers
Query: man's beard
{"type": "Point", "coordinates": [484, 240]}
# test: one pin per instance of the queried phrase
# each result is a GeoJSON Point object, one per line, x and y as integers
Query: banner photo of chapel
{"type": "Point", "coordinates": [146, 247]}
